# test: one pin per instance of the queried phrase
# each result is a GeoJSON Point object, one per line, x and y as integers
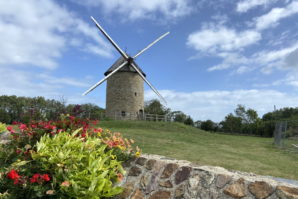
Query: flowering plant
{"type": "Point", "coordinates": [51, 159]}
{"type": "Point", "coordinates": [2, 127]}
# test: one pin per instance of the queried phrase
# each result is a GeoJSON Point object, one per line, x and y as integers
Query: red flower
{"type": "Point", "coordinates": [23, 127]}
{"type": "Point", "coordinates": [13, 174]}
{"type": "Point", "coordinates": [18, 151]}
{"type": "Point", "coordinates": [38, 178]}
{"type": "Point", "coordinates": [95, 122]}
{"type": "Point", "coordinates": [35, 178]}
{"type": "Point", "coordinates": [32, 180]}
{"type": "Point", "coordinates": [10, 129]}
{"type": "Point", "coordinates": [46, 177]}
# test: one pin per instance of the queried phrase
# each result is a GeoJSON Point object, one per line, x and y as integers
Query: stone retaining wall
{"type": "Point", "coordinates": [157, 177]}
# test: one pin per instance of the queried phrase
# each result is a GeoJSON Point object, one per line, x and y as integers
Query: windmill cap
{"type": "Point", "coordinates": [125, 68]}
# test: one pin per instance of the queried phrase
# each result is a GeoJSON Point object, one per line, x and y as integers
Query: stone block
{"type": "Point", "coordinates": [182, 174]}
{"type": "Point", "coordinates": [141, 161]}
{"type": "Point", "coordinates": [150, 164]}
{"type": "Point", "coordinates": [166, 184]}
{"type": "Point", "coordinates": [169, 170]}
{"type": "Point", "coordinates": [237, 189]}
{"type": "Point", "coordinates": [284, 192]}
{"type": "Point", "coordinates": [260, 189]}
{"type": "Point", "coordinates": [222, 180]}
{"type": "Point", "coordinates": [138, 194]}
{"type": "Point", "coordinates": [134, 171]}
{"type": "Point", "coordinates": [161, 195]}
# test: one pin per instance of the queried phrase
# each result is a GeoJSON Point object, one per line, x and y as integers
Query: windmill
{"type": "Point", "coordinates": [125, 83]}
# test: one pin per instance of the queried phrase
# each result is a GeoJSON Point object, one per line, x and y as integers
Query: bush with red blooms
{"type": "Point", "coordinates": [23, 177]}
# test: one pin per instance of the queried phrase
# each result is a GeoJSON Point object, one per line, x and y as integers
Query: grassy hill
{"type": "Point", "coordinates": [243, 153]}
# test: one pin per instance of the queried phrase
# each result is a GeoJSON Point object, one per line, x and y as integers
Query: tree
{"type": "Point", "coordinates": [189, 121]}
{"type": "Point", "coordinates": [155, 107]}
{"type": "Point", "coordinates": [232, 124]}
{"type": "Point", "coordinates": [177, 116]}
{"type": "Point", "coordinates": [208, 125]}
{"type": "Point", "coordinates": [247, 116]}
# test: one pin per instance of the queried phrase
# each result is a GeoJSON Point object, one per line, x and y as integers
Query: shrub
{"type": "Point", "coordinates": [2, 127]}
{"type": "Point", "coordinates": [49, 159]}
{"type": "Point", "coordinates": [80, 169]}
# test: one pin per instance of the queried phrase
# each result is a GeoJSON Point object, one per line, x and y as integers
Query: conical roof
{"type": "Point", "coordinates": [126, 68]}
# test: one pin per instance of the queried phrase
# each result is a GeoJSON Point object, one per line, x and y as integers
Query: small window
{"type": "Point", "coordinates": [123, 113]}
{"type": "Point", "coordinates": [136, 94]}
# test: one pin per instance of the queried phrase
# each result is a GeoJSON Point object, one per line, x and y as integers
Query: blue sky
{"type": "Point", "coordinates": [219, 53]}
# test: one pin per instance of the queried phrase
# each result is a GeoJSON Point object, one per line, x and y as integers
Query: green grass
{"type": "Point", "coordinates": [243, 153]}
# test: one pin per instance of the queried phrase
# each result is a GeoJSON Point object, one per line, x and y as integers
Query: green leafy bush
{"type": "Point", "coordinates": [49, 159]}
{"type": "Point", "coordinates": [81, 169]}
{"type": "Point", "coordinates": [2, 127]}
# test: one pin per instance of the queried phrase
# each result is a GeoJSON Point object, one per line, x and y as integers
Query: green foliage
{"type": "Point", "coordinates": [88, 168]}
{"type": "Point", "coordinates": [155, 107]}
{"type": "Point", "coordinates": [189, 121]}
{"type": "Point", "coordinates": [282, 114]}
{"type": "Point", "coordinates": [178, 116]}
{"type": "Point", "coordinates": [26, 109]}
{"type": "Point", "coordinates": [247, 116]}
{"type": "Point", "coordinates": [44, 160]}
{"type": "Point", "coordinates": [208, 125]}
{"type": "Point", "coordinates": [2, 127]}
{"type": "Point", "coordinates": [231, 124]}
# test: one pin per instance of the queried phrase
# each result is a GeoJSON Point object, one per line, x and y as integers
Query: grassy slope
{"type": "Point", "coordinates": [243, 153]}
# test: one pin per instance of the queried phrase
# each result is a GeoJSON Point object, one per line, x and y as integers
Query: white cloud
{"type": "Point", "coordinates": [37, 32]}
{"type": "Point", "coordinates": [216, 104]}
{"type": "Point", "coordinates": [230, 60]}
{"type": "Point", "coordinates": [231, 45]}
{"type": "Point", "coordinates": [140, 9]}
{"type": "Point", "coordinates": [275, 15]}
{"type": "Point", "coordinates": [291, 60]}
{"type": "Point", "coordinates": [64, 81]}
{"type": "Point", "coordinates": [243, 69]}
{"type": "Point", "coordinates": [218, 39]}
{"type": "Point", "coordinates": [245, 5]}
{"type": "Point", "coordinates": [280, 58]}
{"type": "Point", "coordinates": [25, 83]}
{"type": "Point", "coordinates": [225, 43]}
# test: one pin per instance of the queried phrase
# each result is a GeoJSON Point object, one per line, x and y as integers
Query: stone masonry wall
{"type": "Point", "coordinates": [125, 92]}
{"type": "Point", "coordinates": [157, 177]}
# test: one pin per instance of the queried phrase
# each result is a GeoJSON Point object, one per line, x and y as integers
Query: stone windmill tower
{"type": "Point", "coordinates": [125, 83]}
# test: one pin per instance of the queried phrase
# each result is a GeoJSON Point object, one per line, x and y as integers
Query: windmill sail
{"type": "Point", "coordinates": [126, 63]}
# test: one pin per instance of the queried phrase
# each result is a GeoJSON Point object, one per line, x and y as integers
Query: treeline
{"type": "Point", "coordinates": [247, 121]}
{"type": "Point", "coordinates": [241, 121]}
{"type": "Point", "coordinates": [155, 107]}
{"type": "Point", "coordinates": [24, 109]}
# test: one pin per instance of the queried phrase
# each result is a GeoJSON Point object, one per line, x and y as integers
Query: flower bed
{"type": "Point", "coordinates": [70, 158]}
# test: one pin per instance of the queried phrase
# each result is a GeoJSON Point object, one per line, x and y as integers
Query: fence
{"type": "Point", "coordinates": [286, 135]}
{"type": "Point", "coordinates": [140, 116]}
